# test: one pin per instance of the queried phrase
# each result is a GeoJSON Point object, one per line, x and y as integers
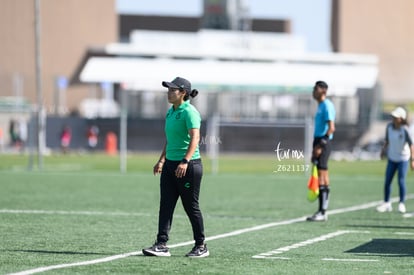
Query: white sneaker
{"type": "Point", "coordinates": [401, 207]}
{"type": "Point", "coordinates": [385, 207]}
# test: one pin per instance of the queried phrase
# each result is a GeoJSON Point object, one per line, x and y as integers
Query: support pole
{"type": "Point", "coordinates": [213, 132]}
{"type": "Point", "coordinates": [123, 132]}
{"type": "Point", "coordinates": [39, 93]}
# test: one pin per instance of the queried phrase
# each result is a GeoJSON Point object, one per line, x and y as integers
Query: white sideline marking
{"type": "Point", "coordinates": [101, 213]}
{"type": "Point", "coordinates": [233, 233]}
{"type": "Point", "coordinates": [304, 243]}
{"type": "Point", "coordinates": [408, 215]}
{"type": "Point", "coordinates": [97, 261]}
{"type": "Point", "coordinates": [404, 233]}
{"type": "Point", "coordinates": [349, 260]}
{"type": "Point", "coordinates": [62, 212]}
{"type": "Point", "coordinates": [270, 257]}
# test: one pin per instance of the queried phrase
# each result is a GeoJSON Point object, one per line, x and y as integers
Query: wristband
{"type": "Point", "coordinates": [184, 160]}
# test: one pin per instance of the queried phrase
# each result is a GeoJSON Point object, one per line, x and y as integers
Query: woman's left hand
{"type": "Point", "coordinates": [181, 170]}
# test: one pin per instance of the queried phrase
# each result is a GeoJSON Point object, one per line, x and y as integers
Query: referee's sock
{"type": "Point", "coordinates": [323, 198]}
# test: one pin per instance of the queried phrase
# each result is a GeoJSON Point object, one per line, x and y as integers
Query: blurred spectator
{"type": "Point", "coordinates": [399, 150]}
{"type": "Point", "coordinates": [14, 133]}
{"type": "Point", "coordinates": [92, 136]}
{"type": "Point", "coordinates": [65, 138]}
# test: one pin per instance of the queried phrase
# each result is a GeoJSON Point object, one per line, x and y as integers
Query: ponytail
{"type": "Point", "coordinates": [193, 94]}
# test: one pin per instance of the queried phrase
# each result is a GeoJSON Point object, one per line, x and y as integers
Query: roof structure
{"type": "Point", "coordinates": [228, 60]}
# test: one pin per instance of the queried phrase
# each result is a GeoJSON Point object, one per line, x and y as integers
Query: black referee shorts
{"type": "Point", "coordinates": [326, 152]}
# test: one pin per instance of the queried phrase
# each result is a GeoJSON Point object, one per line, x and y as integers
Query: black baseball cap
{"type": "Point", "coordinates": [178, 83]}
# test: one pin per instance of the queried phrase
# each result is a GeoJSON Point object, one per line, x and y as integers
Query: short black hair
{"type": "Point", "coordinates": [321, 84]}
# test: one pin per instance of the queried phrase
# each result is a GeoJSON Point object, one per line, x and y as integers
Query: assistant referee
{"type": "Point", "coordinates": [181, 169]}
{"type": "Point", "coordinates": [323, 135]}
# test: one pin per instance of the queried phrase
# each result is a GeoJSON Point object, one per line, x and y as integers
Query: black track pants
{"type": "Point", "coordinates": [188, 189]}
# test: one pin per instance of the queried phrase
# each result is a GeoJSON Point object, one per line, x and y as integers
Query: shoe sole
{"type": "Point", "coordinates": [200, 256]}
{"type": "Point", "coordinates": [156, 254]}
{"type": "Point", "coordinates": [310, 219]}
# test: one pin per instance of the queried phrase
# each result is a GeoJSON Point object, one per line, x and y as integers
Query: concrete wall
{"type": "Point", "coordinates": [384, 28]}
{"type": "Point", "coordinates": [68, 28]}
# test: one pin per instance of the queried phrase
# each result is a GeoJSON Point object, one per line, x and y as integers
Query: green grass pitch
{"type": "Point", "coordinates": [81, 210]}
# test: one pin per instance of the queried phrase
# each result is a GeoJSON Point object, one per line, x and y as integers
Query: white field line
{"type": "Point", "coordinates": [233, 233]}
{"type": "Point", "coordinates": [349, 260]}
{"type": "Point", "coordinates": [271, 257]}
{"type": "Point", "coordinates": [102, 213]}
{"type": "Point", "coordinates": [304, 243]}
{"type": "Point", "coordinates": [91, 262]}
{"type": "Point", "coordinates": [63, 212]}
{"type": "Point", "coordinates": [404, 233]}
{"type": "Point", "coordinates": [408, 215]}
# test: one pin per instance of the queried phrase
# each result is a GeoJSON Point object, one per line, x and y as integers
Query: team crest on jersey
{"type": "Point", "coordinates": [178, 116]}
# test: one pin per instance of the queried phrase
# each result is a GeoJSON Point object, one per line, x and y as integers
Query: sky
{"type": "Point", "coordinates": [309, 18]}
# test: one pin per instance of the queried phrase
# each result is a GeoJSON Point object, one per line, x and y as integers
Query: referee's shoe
{"type": "Point", "coordinates": [318, 217]}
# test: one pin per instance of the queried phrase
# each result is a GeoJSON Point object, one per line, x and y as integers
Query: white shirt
{"type": "Point", "coordinates": [399, 143]}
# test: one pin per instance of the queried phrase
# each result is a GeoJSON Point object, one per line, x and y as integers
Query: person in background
{"type": "Point", "coordinates": [65, 139]}
{"type": "Point", "coordinates": [399, 150]}
{"type": "Point", "coordinates": [181, 169]}
{"type": "Point", "coordinates": [323, 134]}
{"type": "Point", "coordinates": [14, 133]}
{"type": "Point", "coordinates": [92, 136]}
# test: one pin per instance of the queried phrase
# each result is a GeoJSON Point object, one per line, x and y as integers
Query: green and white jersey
{"type": "Point", "coordinates": [177, 124]}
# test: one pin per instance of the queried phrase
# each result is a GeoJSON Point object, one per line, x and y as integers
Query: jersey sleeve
{"type": "Point", "coordinates": [330, 112]}
{"type": "Point", "coordinates": [193, 120]}
{"type": "Point", "coordinates": [386, 133]}
{"type": "Point", "coordinates": [408, 137]}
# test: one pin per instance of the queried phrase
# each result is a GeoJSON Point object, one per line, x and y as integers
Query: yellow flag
{"type": "Point", "coordinates": [313, 185]}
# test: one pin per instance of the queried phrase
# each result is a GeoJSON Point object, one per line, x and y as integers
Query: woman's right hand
{"type": "Point", "coordinates": [158, 167]}
{"type": "Point", "coordinates": [316, 153]}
